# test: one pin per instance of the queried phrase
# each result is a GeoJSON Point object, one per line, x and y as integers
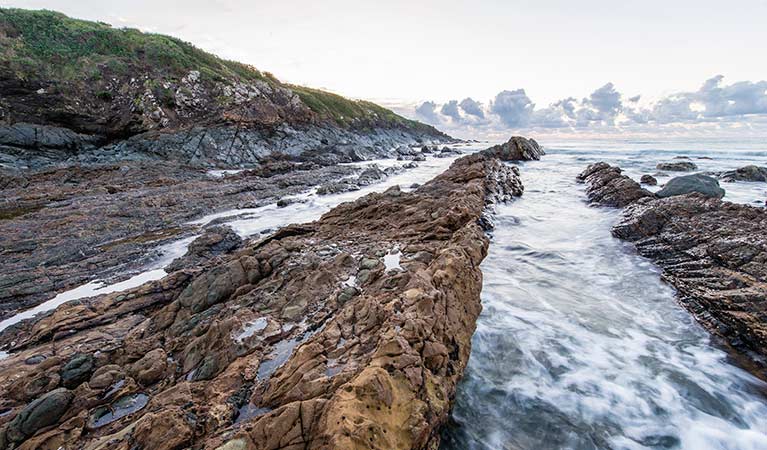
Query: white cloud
{"type": "Point", "coordinates": [715, 104]}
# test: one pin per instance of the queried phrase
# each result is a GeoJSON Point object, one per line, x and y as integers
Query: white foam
{"type": "Point", "coordinates": [392, 260]}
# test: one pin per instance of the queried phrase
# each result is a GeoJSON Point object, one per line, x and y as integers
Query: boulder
{"type": "Point", "coordinates": [214, 241]}
{"type": "Point", "coordinates": [77, 370]}
{"type": "Point", "coordinates": [43, 412]}
{"type": "Point", "coordinates": [677, 166]}
{"type": "Point", "coordinates": [516, 149]}
{"type": "Point", "coordinates": [687, 184]}
{"type": "Point", "coordinates": [606, 186]}
{"type": "Point", "coordinates": [747, 173]}
{"type": "Point", "coordinates": [648, 180]}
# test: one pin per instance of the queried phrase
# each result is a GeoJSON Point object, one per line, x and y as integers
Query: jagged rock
{"type": "Point", "coordinates": [702, 184]}
{"type": "Point", "coordinates": [747, 173]}
{"type": "Point", "coordinates": [606, 186]}
{"type": "Point", "coordinates": [680, 166]}
{"type": "Point", "coordinates": [517, 149]}
{"type": "Point", "coordinates": [277, 330]}
{"type": "Point", "coordinates": [714, 253]}
{"type": "Point", "coordinates": [648, 180]}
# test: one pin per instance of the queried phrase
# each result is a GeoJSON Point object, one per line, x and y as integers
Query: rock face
{"type": "Point", "coordinates": [648, 180]}
{"type": "Point", "coordinates": [747, 173]}
{"type": "Point", "coordinates": [62, 227]}
{"type": "Point", "coordinates": [715, 254]}
{"type": "Point", "coordinates": [687, 184]}
{"type": "Point", "coordinates": [677, 166]}
{"type": "Point", "coordinates": [348, 332]}
{"type": "Point", "coordinates": [606, 186]}
{"type": "Point", "coordinates": [516, 149]}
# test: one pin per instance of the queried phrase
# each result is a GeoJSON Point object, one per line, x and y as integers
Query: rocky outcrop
{"type": "Point", "coordinates": [517, 148]}
{"type": "Point", "coordinates": [714, 253]}
{"type": "Point", "coordinates": [747, 173]}
{"type": "Point", "coordinates": [648, 180]}
{"type": "Point", "coordinates": [688, 184]}
{"type": "Point", "coordinates": [348, 332]}
{"type": "Point", "coordinates": [606, 186]}
{"type": "Point", "coordinates": [677, 166]}
{"type": "Point", "coordinates": [62, 228]}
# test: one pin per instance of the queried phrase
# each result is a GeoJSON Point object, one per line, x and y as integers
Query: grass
{"type": "Point", "coordinates": [77, 55]}
{"type": "Point", "coordinates": [52, 45]}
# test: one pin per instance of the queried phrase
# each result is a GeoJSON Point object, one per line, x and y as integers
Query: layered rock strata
{"type": "Point", "coordinates": [348, 332]}
{"type": "Point", "coordinates": [713, 252]}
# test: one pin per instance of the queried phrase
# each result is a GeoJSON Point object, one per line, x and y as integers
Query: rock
{"type": "Point", "coordinates": [516, 149]}
{"type": "Point", "coordinates": [215, 241]}
{"type": "Point", "coordinates": [747, 173]}
{"type": "Point", "coordinates": [151, 368]}
{"type": "Point", "coordinates": [41, 413]}
{"type": "Point", "coordinates": [680, 166]}
{"type": "Point", "coordinates": [606, 186]}
{"type": "Point", "coordinates": [702, 184]}
{"type": "Point", "coordinates": [714, 253]}
{"type": "Point", "coordinates": [648, 180]}
{"type": "Point", "coordinates": [77, 370]}
{"type": "Point", "coordinates": [274, 328]}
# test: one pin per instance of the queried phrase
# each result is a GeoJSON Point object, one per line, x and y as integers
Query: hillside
{"type": "Point", "coordinates": [111, 84]}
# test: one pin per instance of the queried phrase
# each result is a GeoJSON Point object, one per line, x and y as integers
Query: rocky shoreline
{"type": "Point", "coordinates": [345, 332]}
{"type": "Point", "coordinates": [713, 252]}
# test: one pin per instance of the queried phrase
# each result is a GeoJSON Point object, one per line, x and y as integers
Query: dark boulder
{"type": "Point", "coordinates": [648, 180]}
{"type": "Point", "coordinates": [516, 149]}
{"type": "Point", "coordinates": [43, 412]}
{"type": "Point", "coordinates": [687, 184]}
{"type": "Point", "coordinates": [747, 173]}
{"type": "Point", "coordinates": [608, 187]}
{"type": "Point", "coordinates": [214, 241]}
{"type": "Point", "coordinates": [77, 370]}
{"type": "Point", "coordinates": [678, 166]}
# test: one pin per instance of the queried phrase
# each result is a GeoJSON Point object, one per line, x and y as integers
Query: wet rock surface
{"type": "Point", "coordinates": [63, 227]}
{"type": "Point", "coordinates": [688, 184]}
{"type": "Point", "coordinates": [606, 186]}
{"type": "Point", "coordinates": [677, 166]}
{"type": "Point", "coordinates": [747, 173]}
{"type": "Point", "coordinates": [348, 332]}
{"type": "Point", "coordinates": [517, 148]}
{"type": "Point", "coordinates": [714, 253]}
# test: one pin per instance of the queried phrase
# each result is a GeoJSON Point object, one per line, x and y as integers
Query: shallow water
{"type": "Point", "coordinates": [581, 346]}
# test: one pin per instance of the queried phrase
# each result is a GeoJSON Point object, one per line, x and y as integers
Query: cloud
{"type": "Point", "coordinates": [472, 107]}
{"type": "Point", "coordinates": [513, 107]}
{"type": "Point", "coordinates": [716, 103]}
{"type": "Point", "coordinates": [428, 112]}
{"type": "Point", "coordinates": [450, 109]}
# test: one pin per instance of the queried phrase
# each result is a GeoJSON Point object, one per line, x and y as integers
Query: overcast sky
{"type": "Point", "coordinates": [408, 52]}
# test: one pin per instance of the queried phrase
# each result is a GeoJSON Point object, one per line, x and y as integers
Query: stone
{"type": "Point", "coordinates": [150, 368]}
{"type": "Point", "coordinates": [648, 180]}
{"type": "Point", "coordinates": [607, 186]}
{"type": "Point", "coordinates": [687, 184]}
{"type": "Point", "coordinates": [43, 412]}
{"type": "Point", "coordinates": [77, 370]}
{"type": "Point", "coordinates": [750, 173]}
{"type": "Point", "coordinates": [677, 166]}
{"type": "Point", "coordinates": [517, 148]}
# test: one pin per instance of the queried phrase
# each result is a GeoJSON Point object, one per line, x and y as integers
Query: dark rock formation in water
{"type": "Point", "coordinates": [348, 332]}
{"type": "Point", "coordinates": [517, 148]}
{"type": "Point", "coordinates": [608, 187]}
{"type": "Point", "coordinates": [713, 252]}
{"type": "Point", "coordinates": [648, 180]}
{"type": "Point", "coordinates": [677, 166]}
{"type": "Point", "coordinates": [747, 173]}
{"type": "Point", "coordinates": [688, 184]}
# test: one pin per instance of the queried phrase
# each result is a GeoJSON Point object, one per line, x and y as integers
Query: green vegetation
{"type": "Point", "coordinates": [52, 45]}
{"type": "Point", "coordinates": [348, 112]}
{"type": "Point", "coordinates": [79, 56]}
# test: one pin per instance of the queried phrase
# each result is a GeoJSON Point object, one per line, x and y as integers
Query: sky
{"type": "Point", "coordinates": [405, 53]}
